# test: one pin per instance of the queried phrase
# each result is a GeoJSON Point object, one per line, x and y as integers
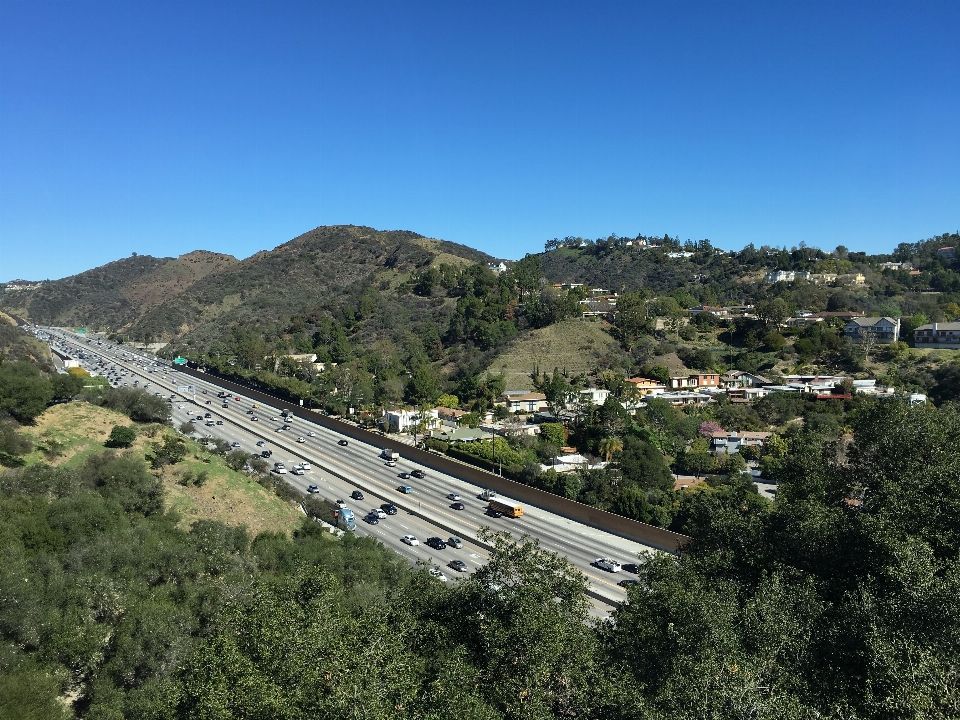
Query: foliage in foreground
{"type": "Point", "coordinates": [842, 600]}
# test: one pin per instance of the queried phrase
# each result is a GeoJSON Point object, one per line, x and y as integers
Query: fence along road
{"type": "Point", "coordinates": [563, 507]}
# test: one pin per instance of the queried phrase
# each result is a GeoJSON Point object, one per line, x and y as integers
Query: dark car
{"type": "Point", "coordinates": [342, 443]}
{"type": "Point", "coordinates": [356, 495]}
{"type": "Point", "coordinates": [630, 568]}
{"type": "Point", "coordinates": [457, 506]}
{"type": "Point", "coordinates": [404, 476]}
{"type": "Point", "coordinates": [389, 509]}
{"type": "Point", "coordinates": [628, 582]}
{"type": "Point", "coordinates": [266, 453]}
{"type": "Point", "coordinates": [418, 473]}
{"type": "Point", "coordinates": [206, 414]}
{"type": "Point", "coordinates": [437, 543]}
{"type": "Point", "coordinates": [458, 565]}
{"type": "Point", "coordinates": [312, 489]}
{"type": "Point", "coordinates": [372, 519]}
{"type": "Point", "coordinates": [494, 513]}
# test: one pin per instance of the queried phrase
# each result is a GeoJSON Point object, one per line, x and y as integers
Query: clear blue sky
{"type": "Point", "coordinates": [160, 128]}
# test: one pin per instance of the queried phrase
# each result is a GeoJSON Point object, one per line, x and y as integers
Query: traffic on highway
{"type": "Point", "coordinates": [428, 517]}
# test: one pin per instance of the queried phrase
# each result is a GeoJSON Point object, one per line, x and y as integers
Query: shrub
{"type": "Point", "coordinates": [121, 437]}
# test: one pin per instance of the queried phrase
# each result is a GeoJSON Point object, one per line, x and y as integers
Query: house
{"type": "Point", "coordinates": [596, 396]}
{"type": "Point", "coordinates": [679, 255]}
{"type": "Point", "coordinates": [748, 394]}
{"type": "Point", "coordinates": [497, 267]}
{"type": "Point", "coordinates": [717, 311]}
{"type": "Point", "coordinates": [852, 279]}
{"type": "Point", "coordinates": [731, 442]}
{"type": "Point", "coordinates": [947, 252]}
{"type": "Point", "coordinates": [530, 402]}
{"type": "Point", "coordinates": [847, 315]}
{"type": "Point", "coordinates": [450, 416]}
{"type": "Point", "coordinates": [569, 463]}
{"type": "Point", "coordinates": [896, 266]}
{"type": "Point", "coordinates": [740, 379]}
{"type": "Point", "coordinates": [452, 435]}
{"type": "Point", "coordinates": [597, 308]}
{"type": "Point", "coordinates": [823, 278]}
{"type": "Point", "coordinates": [646, 386]}
{"type": "Point", "coordinates": [407, 420]}
{"type": "Point", "coordinates": [682, 397]}
{"type": "Point", "coordinates": [703, 380]}
{"type": "Point", "coordinates": [938, 335]}
{"type": "Point", "coordinates": [775, 276]}
{"type": "Point", "coordinates": [881, 330]}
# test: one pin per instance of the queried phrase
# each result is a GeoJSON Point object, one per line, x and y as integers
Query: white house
{"type": "Point", "coordinates": [775, 276]}
{"type": "Point", "coordinates": [882, 330]}
{"type": "Point", "coordinates": [405, 420]}
{"type": "Point", "coordinates": [938, 335]}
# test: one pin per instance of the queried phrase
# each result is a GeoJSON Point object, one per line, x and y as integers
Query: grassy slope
{"type": "Point", "coordinates": [227, 496]}
{"type": "Point", "coordinates": [573, 345]}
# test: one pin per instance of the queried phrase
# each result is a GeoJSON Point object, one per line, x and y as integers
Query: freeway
{"type": "Point", "coordinates": [338, 470]}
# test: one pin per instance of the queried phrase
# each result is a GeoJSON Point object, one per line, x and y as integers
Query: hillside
{"type": "Point", "coordinates": [572, 345]}
{"type": "Point", "coordinates": [199, 297]}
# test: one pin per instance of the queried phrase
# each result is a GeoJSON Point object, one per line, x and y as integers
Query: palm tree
{"type": "Point", "coordinates": [609, 446]}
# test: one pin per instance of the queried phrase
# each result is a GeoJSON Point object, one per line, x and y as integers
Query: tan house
{"type": "Point", "coordinates": [645, 386]}
{"type": "Point", "coordinates": [526, 403]}
{"type": "Point", "coordinates": [703, 380]}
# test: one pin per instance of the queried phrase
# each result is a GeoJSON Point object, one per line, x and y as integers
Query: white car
{"type": "Point", "coordinates": [311, 434]}
{"type": "Point", "coordinates": [391, 463]}
{"type": "Point", "coordinates": [305, 465]}
{"type": "Point", "coordinates": [280, 471]}
{"type": "Point", "coordinates": [297, 471]}
{"type": "Point", "coordinates": [435, 572]}
{"type": "Point", "coordinates": [410, 540]}
{"type": "Point", "coordinates": [379, 513]}
{"type": "Point", "coordinates": [179, 407]}
{"type": "Point", "coordinates": [301, 440]}
{"type": "Point", "coordinates": [607, 564]}
{"type": "Point", "coordinates": [453, 496]}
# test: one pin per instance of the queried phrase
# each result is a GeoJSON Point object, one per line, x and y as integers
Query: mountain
{"type": "Point", "coordinates": [196, 297]}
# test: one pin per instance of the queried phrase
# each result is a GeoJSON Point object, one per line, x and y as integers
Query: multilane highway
{"type": "Point", "coordinates": [339, 470]}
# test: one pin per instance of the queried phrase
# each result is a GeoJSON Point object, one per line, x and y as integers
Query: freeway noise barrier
{"type": "Point", "coordinates": [564, 507]}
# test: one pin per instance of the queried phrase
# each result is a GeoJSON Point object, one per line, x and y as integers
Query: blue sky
{"type": "Point", "coordinates": [161, 128]}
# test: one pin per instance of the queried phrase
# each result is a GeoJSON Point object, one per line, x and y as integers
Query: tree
{"type": "Point", "coordinates": [610, 446]}
{"type": "Point", "coordinates": [553, 433]}
{"type": "Point", "coordinates": [631, 318]}
{"type": "Point", "coordinates": [236, 459]}
{"type": "Point", "coordinates": [121, 437]}
{"type": "Point", "coordinates": [774, 312]}
{"type": "Point", "coordinates": [187, 428]}
{"type": "Point", "coordinates": [24, 392]}
{"type": "Point", "coordinates": [643, 465]}
{"type": "Point", "coordinates": [13, 445]}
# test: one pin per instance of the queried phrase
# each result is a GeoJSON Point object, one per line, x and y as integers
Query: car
{"type": "Point", "coordinates": [280, 470]}
{"type": "Point", "coordinates": [266, 453]}
{"type": "Point", "coordinates": [389, 508]}
{"type": "Point", "coordinates": [404, 476]}
{"type": "Point", "coordinates": [437, 543]}
{"type": "Point", "coordinates": [494, 513]}
{"type": "Point", "coordinates": [418, 473]}
{"type": "Point", "coordinates": [209, 401]}
{"type": "Point", "coordinates": [455, 542]}
{"type": "Point", "coordinates": [631, 568]}
{"type": "Point", "coordinates": [261, 443]}
{"type": "Point", "coordinates": [255, 419]}
{"type": "Point", "coordinates": [279, 430]}
{"type": "Point", "coordinates": [458, 565]}
{"type": "Point", "coordinates": [410, 540]}
{"type": "Point", "coordinates": [312, 489]}
{"type": "Point", "coordinates": [204, 392]}
{"type": "Point", "coordinates": [391, 463]}
{"type": "Point", "coordinates": [457, 506]}
{"type": "Point", "coordinates": [219, 422]}
{"type": "Point", "coordinates": [627, 582]}
{"type": "Point", "coordinates": [274, 419]}
{"type": "Point", "coordinates": [301, 440]}
{"type": "Point", "coordinates": [379, 513]}
{"type": "Point", "coordinates": [372, 519]}
{"type": "Point", "coordinates": [453, 496]}
{"type": "Point", "coordinates": [237, 398]}
{"type": "Point", "coordinates": [206, 415]}
{"type": "Point", "coordinates": [342, 443]}
{"type": "Point", "coordinates": [607, 564]}
{"type": "Point", "coordinates": [435, 572]}
{"type": "Point", "coordinates": [405, 489]}
{"type": "Point", "coordinates": [249, 412]}
{"type": "Point", "coordinates": [179, 407]}
{"type": "Point", "coordinates": [311, 434]}
{"type": "Point", "coordinates": [225, 405]}
{"type": "Point", "coordinates": [297, 471]}
{"type": "Point", "coordinates": [305, 465]}
{"type": "Point", "coordinates": [235, 444]}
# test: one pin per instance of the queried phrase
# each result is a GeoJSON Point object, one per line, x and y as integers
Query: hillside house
{"type": "Point", "coordinates": [731, 442]}
{"type": "Point", "coordinates": [407, 420]}
{"type": "Point", "coordinates": [530, 402]}
{"type": "Point", "coordinates": [947, 252]}
{"type": "Point", "coordinates": [775, 276]}
{"type": "Point", "coordinates": [716, 311]}
{"type": "Point", "coordinates": [702, 380]}
{"type": "Point", "coordinates": [646, 386]}
{"type": "Point", "coordinates": [938, 335]}
{"type": "Point", "coordinates": [881, 330]}
{"type": "Point", "coordinates": [685, 397]}
{"type": "Point", "coordinates": [740, 379]}
{"type": "Point", "coordinates": [497, 267]}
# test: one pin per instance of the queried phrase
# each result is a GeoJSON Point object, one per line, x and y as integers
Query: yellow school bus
{"type": "Point", "coordinates": [507, 508]}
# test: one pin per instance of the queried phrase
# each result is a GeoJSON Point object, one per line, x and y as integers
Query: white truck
{"type": "Point", "coordinates": [389, 454]}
